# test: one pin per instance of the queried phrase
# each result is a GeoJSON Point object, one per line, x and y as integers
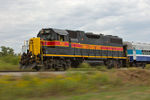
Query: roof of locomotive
{"type": "Point", "coordinates": [58, 31]}
{"type": "Point", "coordinates": [66, 32]}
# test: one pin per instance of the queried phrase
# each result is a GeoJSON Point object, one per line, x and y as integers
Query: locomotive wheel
{"type": "Point", "coordinates": [113, 64]}
{"type": "Point", "coordinates": [56, 69]}
{"type": "Point", "coordinates": [117, 64]}
{"type": "Point", "coordinates": [48, 64]}
{"type": "Point", "coordinates": [67, 65]}
{"type": "Point", "coordinates": [61, 64]}
{"type": "Point", "coordinates": [57, 64]}
{"type": "Point", "coordinates": [110, 64]}
{"type": "Point", "coordinates": [37, 68]}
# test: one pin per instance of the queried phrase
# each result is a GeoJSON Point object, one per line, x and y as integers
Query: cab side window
{"type": "Point", "coordinates": [61, 37]}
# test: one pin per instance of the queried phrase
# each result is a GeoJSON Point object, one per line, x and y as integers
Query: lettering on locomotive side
{"type": "Point", "coordinates": [55, 43]}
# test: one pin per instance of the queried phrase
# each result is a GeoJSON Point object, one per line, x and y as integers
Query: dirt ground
{"type": "Point", "coordinates": [141, 76]}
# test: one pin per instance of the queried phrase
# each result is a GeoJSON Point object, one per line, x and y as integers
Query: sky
{"type": "Point", "coordinates": [23, 19]}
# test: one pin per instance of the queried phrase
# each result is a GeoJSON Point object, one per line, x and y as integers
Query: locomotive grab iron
{"type": "Point", "coordinates": [61, 49]}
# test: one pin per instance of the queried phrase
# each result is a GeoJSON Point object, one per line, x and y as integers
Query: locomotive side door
{"type": "Point", "coordinates": [125, 50]}
{"type": "Point", "coordinates": [73, 42]}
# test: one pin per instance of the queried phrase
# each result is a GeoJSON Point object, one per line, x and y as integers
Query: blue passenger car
{"type": "Point", "coordinates": [138, 52]}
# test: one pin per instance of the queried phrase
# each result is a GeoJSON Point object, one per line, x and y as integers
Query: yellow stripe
{"type": "Point", "coordinates": [84, 56]}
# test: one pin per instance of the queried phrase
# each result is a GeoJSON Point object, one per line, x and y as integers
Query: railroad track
{"type": "Point", "coordinates": [15, 71]}
{"type": "Point", "coordinates": [29, 71]}
{"type": "Point", "coordinates": [20, 73]}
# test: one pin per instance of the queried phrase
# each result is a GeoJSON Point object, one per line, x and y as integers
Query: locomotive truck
{"type": "Point", "coordinates": [60, 49]}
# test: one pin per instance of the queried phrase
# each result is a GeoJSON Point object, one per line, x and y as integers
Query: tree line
{"type": "Point", "coordinates": [6, 51]}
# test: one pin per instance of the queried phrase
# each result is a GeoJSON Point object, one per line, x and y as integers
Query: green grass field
{"type": "Point", "coordinates": [96, 83]}
{"type": "Point", "coordinates": [9, 63]}
{"type": "Point", "coordinates": [131, 84]}
{"type": "Point", "coordinates": [124, 93]}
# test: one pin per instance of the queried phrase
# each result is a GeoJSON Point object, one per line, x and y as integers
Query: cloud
{"type": "Point", "coordinates": [22, 19]}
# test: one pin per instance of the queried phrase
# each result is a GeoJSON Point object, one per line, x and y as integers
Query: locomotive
{"type": "Point", "coordinates": [60, 49]}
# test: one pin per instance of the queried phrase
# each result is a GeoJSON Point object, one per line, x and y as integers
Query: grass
{"type": "Point", "coordinates": [147, 66]}
{"type": "Point", "coordinates": [128, 93]}
{"type": "Point", "coordinates": [9, 63]}
{"type": "Point", "coordinates": [87, 67]}
{"type": "Point", "coordinates": [94, 85]}
{"type": "Point", "coordinates": [51, 85]}
{"type": "Point", "coordinates": [132, 93]}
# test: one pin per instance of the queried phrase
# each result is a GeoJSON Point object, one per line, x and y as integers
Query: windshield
{"type": "Point", "coordinates": [47, 35]}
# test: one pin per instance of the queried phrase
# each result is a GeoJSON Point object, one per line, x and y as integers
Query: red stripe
{"type": "Point", "coordinates": [76, 45]}
{"type": "Point", "coordinates": [82, 46]}
{"type": "Point", "coordinates": [54, 43]}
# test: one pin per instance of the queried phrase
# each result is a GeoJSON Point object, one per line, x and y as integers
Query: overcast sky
{"type": "Point", "coordinates": [22, 19]}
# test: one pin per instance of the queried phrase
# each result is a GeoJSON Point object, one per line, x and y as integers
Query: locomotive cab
{"type": "Point", "coordinates": [53, 35]}
{"type": "Point", "coordinates": [47, 35]}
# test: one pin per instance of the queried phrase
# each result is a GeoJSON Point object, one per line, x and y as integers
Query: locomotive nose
{"type": "Point", "coordinates": [29, 59]}
{"type": "Point", "coordinates": [35, 46]}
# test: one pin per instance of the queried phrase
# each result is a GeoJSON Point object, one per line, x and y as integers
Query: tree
{"type": "Point", "coordinates": [6, 51]}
